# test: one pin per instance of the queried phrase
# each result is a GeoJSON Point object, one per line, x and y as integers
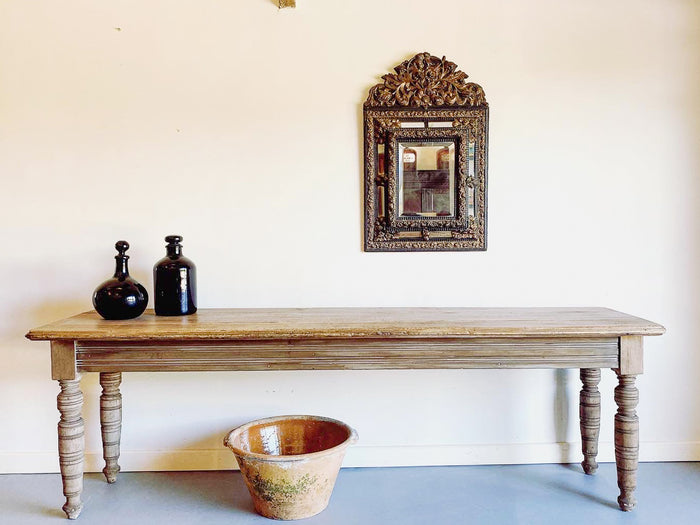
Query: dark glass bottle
{"type": "Point", "coordinates": [443, 158]}
{"type": "Point", "coordinates": [175, 281]}
{"type": "Point", "coordinates": [409, 159]}
{"type": "Point", "coordinates": [120, 297]}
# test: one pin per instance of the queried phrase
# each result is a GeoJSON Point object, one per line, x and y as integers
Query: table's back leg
{"type": "Point", "coordinates": [589, 415]}
{"type": "Point", "coordinates": [71, 444]}
{"type": "Point", "coordinates": [626, 439]}
{"type": "Point", "coordinates": [111, 422]}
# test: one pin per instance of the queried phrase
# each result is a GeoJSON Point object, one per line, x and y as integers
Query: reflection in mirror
{"type": "Point", "coordinates": [471, 205]}
{"type": "Point", "coordinates": [440, 124]}
{"type": "Point", "coordinates": [471, 201]}
{"type": "Point", "coordinates": [380, 159]}
{"type": "Point", "coordinates": [426, 179]}
{"type": "Point", "coordinates": [411, 124]}
{"type": "Point", "coordinates": [381, 212]}
{"type": "Point", "coordinates": [380, 201]}
{"type": "Point", "coordinates": [470, 160]}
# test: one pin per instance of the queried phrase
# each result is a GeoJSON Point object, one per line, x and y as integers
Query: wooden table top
{"type": "Point", "coordinates": [301, 323]}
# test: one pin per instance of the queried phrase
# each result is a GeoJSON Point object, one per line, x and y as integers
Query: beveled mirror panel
{"type": "Point", "coordinates": [425, 159]}
{"type": "Point", "coordinates": [426, 179]}
{"type": "Point", "coordinates": [425, 184]}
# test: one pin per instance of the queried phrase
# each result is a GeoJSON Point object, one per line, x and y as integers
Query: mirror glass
{"type": "Point", "coordinates": [471, 204]}
{"type": "Point", "coordinates": [426, 179]}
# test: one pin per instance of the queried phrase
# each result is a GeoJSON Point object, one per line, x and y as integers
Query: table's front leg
{"type": "Point", "coordinates": [626, 439]}
{"type": "Point", "coordinates": [589, 416]}
{"type": "Point", "coordinates": [111, 422]}
{"type": "Point", "coordinates": [71, 444]}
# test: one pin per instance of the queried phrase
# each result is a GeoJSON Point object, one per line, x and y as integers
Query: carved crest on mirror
{"type": "Point", "coordinates": [426, 151]}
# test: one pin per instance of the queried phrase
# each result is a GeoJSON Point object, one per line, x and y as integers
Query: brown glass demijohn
{"type": "Point", "coordinates": [175, 281]}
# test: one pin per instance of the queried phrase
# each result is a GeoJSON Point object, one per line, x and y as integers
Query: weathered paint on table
{"type": "Point", "coordinates": [347, 338]}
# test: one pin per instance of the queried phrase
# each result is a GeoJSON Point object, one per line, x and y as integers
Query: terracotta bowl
{"type": "Point", "coordinates": [290, 463]}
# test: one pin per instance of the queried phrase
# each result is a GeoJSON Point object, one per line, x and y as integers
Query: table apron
{"type": "Point", "coordinates": [348, 354]}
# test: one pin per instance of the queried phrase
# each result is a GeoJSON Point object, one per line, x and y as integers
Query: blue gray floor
{"type": "Point", "coordinates": [668, 493]}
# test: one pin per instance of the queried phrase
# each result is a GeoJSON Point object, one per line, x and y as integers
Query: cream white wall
{"type": "Point", "coordinates": [238, 126]}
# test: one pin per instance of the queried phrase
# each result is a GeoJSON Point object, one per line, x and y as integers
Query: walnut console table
{"type": "Point", "coordinates": [346, 338]}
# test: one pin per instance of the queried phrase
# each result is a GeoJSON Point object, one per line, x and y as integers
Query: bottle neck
{"type": "Point", "coordinates": [173, 250]}
{"type": "Point", "coordinates": [122, 266]}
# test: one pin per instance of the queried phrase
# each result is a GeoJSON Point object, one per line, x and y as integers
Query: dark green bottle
{"type": "Point", "coordinates": [175, 281]}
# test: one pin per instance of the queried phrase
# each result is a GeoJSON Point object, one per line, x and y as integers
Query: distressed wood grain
{"type": "Point", "coordinates": [111, 422]}
{"type": "Point", "coordinates": [71, 444]}
{"type": "Point", "coordinates": [386, 323]}
{"type": "Point", "coordinates": [589, 415]}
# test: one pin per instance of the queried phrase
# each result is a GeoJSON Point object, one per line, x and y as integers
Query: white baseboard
{"type": "Point", "coordinates": [359, 456]}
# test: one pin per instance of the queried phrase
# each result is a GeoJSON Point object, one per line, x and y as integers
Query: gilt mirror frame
{"type": "Point", "coordinates": [425, 107]}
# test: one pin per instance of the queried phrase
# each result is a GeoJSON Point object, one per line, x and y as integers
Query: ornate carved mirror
{"type": "Point", "coordinates": [426, 149]}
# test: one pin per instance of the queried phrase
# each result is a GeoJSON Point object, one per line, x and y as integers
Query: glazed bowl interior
{"type": "Point", "coordinates": [291, 437]}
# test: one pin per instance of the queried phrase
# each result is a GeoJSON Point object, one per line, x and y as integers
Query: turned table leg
{"type": "Point", "coordinates": [626, 440]}
{"type": "Point", "coordinates": [111, 422]}
{"type": "Point", "coordinates": [71, 444]}
{"type": "Point", "coordinates": [589, 415]}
